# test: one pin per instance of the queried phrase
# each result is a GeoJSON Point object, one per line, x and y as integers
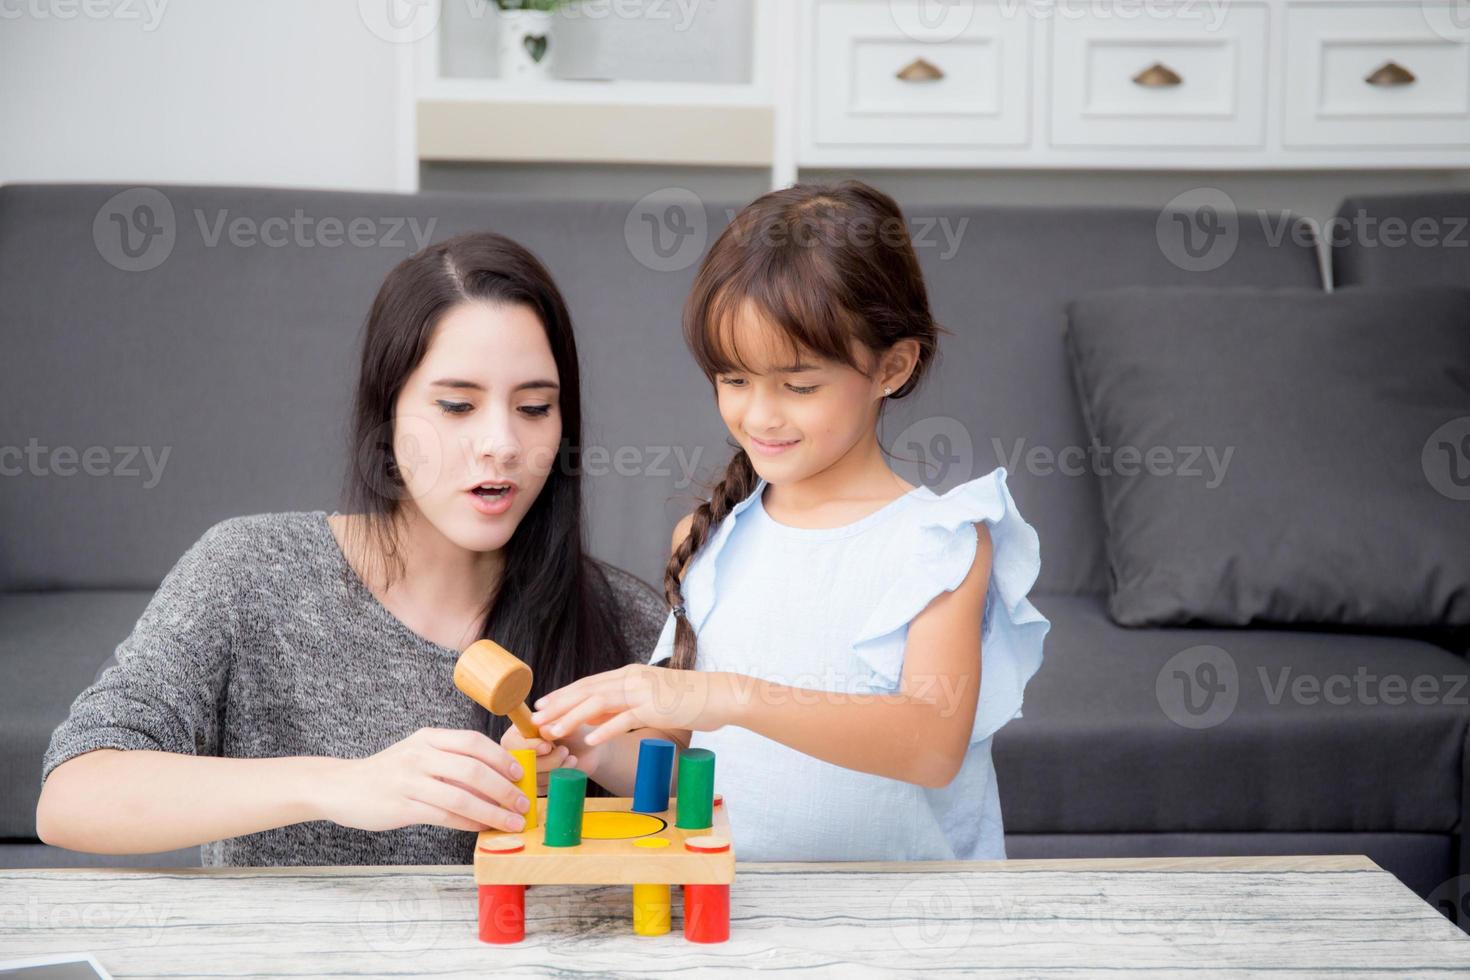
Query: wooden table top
{"type": "Point", "coordinates": [1290, 916]}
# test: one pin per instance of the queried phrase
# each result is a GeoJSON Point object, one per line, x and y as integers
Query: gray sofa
{"type": "Point", "coordinates": [235, 354]}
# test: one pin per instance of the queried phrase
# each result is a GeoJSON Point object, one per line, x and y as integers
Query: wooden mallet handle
{"type": "Point", "coordinates": [497, 679]}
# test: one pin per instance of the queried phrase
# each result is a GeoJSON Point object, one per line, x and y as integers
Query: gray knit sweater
{"type": "Point", "coordinates": [262, 642]}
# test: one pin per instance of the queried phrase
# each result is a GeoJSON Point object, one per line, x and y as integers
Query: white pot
{"type": "Point", "coordinates": [525, 34]}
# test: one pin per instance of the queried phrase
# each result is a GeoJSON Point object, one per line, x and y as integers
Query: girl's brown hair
{"type": "Point", "coordinates": [829, 265]}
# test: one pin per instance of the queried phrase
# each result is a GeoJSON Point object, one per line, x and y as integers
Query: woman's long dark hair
{"type": "Point", "coordinates": [554, 608]}
{"type": "Point", "coordinates": [827, 264]}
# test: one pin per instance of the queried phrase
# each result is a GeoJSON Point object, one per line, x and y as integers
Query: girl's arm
{"type": "Point", "coordinates": [918, 735]}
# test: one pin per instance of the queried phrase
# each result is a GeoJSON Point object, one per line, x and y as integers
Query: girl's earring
{"type": "Point", "coordinates": [887, 391]}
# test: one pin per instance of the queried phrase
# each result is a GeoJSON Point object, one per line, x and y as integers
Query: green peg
{"type": "Point", "coordinates": [696, 799]}
{"type": "Point", "coordinates": [565, 798]}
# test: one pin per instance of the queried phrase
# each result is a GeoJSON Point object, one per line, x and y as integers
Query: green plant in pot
{"type": "Point", "coordinates": [525, 37]}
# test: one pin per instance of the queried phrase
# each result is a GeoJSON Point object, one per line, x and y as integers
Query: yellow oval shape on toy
{"type": "Point", "coordinates": [617, 825]}
{"type": "Point", "coordinates": [651, 842]}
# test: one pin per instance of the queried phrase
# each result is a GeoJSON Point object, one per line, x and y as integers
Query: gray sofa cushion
{"type": "Point", "coordinates": [53, 645]}
{"type": "Point", "coordinates": [1098, 750]}
{"type": "Point", "coordinates": [1323, 491]}
{"type": "Point", "coordinates": [1418, 239]}
{"type": "Point", "coordinates": [236, 355]}
{"type": "Point", "coordinates": [1002, 376]}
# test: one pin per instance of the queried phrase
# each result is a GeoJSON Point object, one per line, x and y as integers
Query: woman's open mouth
{"type": "Point", "coordinates": [492, 497]}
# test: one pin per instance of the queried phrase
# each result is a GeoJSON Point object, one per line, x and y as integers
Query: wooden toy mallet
{"type": "Point", "coordinates": [498, 680]}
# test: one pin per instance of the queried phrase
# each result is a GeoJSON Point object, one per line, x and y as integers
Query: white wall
{"type": "Point", "coordinates": [281, 92]}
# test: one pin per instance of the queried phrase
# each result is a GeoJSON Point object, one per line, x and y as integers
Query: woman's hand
{"type": "Point", "coordinates": [638, 696]}
{"type": "Point", "coordinates": [550, 755]}
{"type": "Point", "coordinates": [439, 776]}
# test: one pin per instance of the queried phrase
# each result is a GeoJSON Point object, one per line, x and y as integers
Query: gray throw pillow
{"type": "Point", "coordinates": [1280, 455]}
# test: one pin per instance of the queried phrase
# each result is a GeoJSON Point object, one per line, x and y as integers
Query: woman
{"type": "Point", "coordinates": [287, 696]}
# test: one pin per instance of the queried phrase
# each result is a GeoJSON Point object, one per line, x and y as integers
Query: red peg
{"type": "Point", "coordinates": [706, 913]}
{"type": "Point", "coordinates": [502, 913]}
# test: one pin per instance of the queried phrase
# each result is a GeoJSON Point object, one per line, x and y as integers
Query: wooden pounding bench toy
{"type": "Point", "coordinates": [650, 842]}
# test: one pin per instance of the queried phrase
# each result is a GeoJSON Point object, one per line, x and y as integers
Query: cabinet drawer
{"type": "Point", "coordinates": [879, 81]}
{"type": "Point", "coordinates": [1377, 76]}
{"type": "Point", "coordinates": [1187, 76]}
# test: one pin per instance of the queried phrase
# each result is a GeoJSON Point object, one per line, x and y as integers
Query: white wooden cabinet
{"type": "Point", "coordinates": [873, 84]}
{"type": "Point", "coordinates": [1369, 76]}
{"type": "Point", "coordinates": [1161, 84]}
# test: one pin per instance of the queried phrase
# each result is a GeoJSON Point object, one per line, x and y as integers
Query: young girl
{"type": "Point", "coordinates": [828, 619]}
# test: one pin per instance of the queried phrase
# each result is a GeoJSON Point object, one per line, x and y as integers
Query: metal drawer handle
{"type": "Point", "coordinates": [1391, 73]}
{"type": "Point", "coordinates": [1158, 75]}
{"type": "Point", "coordinates": [920, 70]}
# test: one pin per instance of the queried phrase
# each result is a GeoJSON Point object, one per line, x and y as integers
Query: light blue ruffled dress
{"type": "Point", "coordinates": [829, 609]}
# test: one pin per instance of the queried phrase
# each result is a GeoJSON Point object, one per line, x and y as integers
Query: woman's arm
{"type": "Point", "coordinates": [135, 802]}
{"type": "Point", "coordinates": [111, 801]}
{"type": "Point", "coordinates": [919, 735]}
{"type": "Point", "coordinates": [135, 766]}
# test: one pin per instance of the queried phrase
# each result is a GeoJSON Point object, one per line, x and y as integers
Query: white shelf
{"type": "Point", "coordinates": [566, 92]}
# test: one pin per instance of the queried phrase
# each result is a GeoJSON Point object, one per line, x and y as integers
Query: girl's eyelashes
{"type": "Point", "coordinates": [798, 389]}
{"type": "Point", "coordinates": [536, 411]}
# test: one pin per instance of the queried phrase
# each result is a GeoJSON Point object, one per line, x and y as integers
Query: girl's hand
{"type": "Point", "coordinates": [549, 755]}
{"type": "Point", "coordinates": [439, 776]}
{"type": "Point", "coordinates": [638, 696]}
